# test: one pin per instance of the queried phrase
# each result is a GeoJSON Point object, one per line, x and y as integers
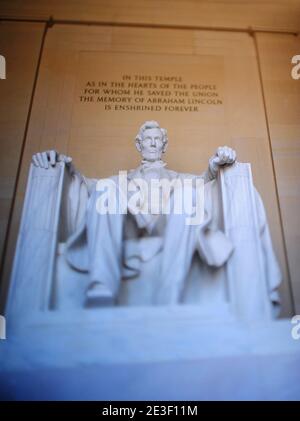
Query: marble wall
{"type": "Point", "coordinates": [269, 15]}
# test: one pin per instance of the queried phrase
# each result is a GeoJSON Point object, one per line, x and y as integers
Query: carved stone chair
{"type": "Point", "coordinates": [243, 288]}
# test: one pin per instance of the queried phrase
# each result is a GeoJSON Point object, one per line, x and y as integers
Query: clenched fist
{"type": "Point", "coordinates": [223, 156]}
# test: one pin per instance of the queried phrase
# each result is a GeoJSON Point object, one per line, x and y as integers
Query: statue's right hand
{"type": "Point", "coordinates": [49, 158]}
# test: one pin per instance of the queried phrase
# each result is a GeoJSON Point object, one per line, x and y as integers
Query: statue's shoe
{"type": "Point", "coordinates": [98, 295]}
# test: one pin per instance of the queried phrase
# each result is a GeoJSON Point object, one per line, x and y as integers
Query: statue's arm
{"type": "Point", "coordinates": [223, 156]}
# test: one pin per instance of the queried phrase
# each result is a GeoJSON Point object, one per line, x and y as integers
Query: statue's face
{"type": "Point", "coordinates": [151, 146]}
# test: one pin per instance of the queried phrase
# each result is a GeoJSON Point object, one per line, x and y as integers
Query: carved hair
{"type": "Point", "coordinates": [151, 125]}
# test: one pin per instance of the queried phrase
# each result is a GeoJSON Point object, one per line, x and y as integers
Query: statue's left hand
{"type": "Point", "coordinates": [223, 156]}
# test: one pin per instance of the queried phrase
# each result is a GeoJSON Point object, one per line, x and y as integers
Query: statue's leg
{"type": "Point", "coordinates": [178, 251]}
{"type": "Point", "coordinates": [104, 237]}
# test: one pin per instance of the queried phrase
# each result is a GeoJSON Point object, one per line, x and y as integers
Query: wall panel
{"type": "Point", "coordinates": [282, 94]}
{"type": "Point", "coordinates": [20, 45]}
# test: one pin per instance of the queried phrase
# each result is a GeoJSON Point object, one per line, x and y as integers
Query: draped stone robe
{"type": "Point", "coordinates": [150, 259]}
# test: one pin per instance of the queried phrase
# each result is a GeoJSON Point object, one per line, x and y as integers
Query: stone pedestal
{"type": "Point", "coordinates": [171, 353]}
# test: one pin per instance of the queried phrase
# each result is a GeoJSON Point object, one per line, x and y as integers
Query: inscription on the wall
{"type": "Point", "coordinates": [137, 92]}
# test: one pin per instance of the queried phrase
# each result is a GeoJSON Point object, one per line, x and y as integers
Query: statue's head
{"type": "Point", "coordinates": [151, 141]}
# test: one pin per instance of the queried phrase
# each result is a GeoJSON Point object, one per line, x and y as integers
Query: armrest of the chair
{"type": "Point", "coordinates": [247, 283]}
{"type": "Point", "coordinates": [31, 280]}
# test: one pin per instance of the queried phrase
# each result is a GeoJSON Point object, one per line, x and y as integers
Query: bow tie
{"type": "Point", "coordinates": [149, 165]}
